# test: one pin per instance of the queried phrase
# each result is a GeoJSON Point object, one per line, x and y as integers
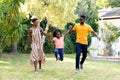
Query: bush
{"type": "Point", "coordinates": [70, 40]}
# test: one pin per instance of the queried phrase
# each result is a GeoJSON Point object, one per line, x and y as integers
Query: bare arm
{"type": "Point", "coordinates": [28, 40]}
{"type": "Point", "coordinates": [70, 29]}
{"type": "Point", "coordinates": [52, 41]}
{"type": "Point", "coordinates": [66, 33]}
{"type": "Point", "coordinates": [44, 33]}
{"type": "Point", "coordinates": [94, 33]}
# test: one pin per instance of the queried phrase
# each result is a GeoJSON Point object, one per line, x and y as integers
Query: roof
{"type": "Point", "coordinates": [113, 12]}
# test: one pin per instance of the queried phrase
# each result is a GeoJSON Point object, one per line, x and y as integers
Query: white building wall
{"type": "Point", "coordinates": [115, 22]}
{"type": "Point", "coordinates": [115, 45]}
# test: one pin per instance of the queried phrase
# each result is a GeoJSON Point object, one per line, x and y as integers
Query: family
{"type": "Point", "coordinates": [37, 55]}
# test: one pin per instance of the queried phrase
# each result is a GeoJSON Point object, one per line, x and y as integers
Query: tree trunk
{"type": "Point", "coordinates": [46, 30]}
{"type": "Point", "coordinates": [0, 53]}
{"type": "Point", "coordinates": [108, 50]}
{"type": "Point", "coordinates": [14, 48]}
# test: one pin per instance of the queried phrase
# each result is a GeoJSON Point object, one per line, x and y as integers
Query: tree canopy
{"type": "Point", "coordinates": [14, 20]}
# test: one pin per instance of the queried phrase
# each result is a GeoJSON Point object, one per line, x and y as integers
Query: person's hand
{"type": "Point", "coordinates": [70, 27]}
{"type": "Point", "coordinates": [98, 38]}
{"type": "Point", "coordinates": [26, 47]}
{"type": "Point", "coordinates": [49, 34]}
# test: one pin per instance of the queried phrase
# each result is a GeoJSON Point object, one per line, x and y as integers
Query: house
{"type": "Point", "coordinates": [109, 16]}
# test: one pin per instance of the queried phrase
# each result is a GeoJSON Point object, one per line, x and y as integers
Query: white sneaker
{"type": "Point", "coordinates": [77, 71]}
{"type": "Point", "coordinates": [36, 72]}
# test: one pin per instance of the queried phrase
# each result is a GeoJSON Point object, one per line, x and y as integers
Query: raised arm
{"type": "Point", "coordinates": [41, 30]}
{"type": "Point", "coordinates": [52, 41]}
{"type": "Point", "coordinates": [94, 33]}
{"type": "Point", "coordinates": [28, 40]}
{"type": "Point", "coordinates": [67, 33]}
{"type": "Point", "coordinates": [71, 29]}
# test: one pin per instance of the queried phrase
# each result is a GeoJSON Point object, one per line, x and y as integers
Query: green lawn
{"type": "Point", "coordinates": [16, 67]}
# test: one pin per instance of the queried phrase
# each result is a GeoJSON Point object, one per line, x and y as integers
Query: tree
{"type": "Point", "coordinates": [101, 4]}
{"type": "Point", "coordinates": [56, 12]}
{"type": "Point", "coordinates": [11, 23]}
{"type": "Point", "coordinates": [111, 33]}
{"type": "Point", "coordinates": [114, 3]}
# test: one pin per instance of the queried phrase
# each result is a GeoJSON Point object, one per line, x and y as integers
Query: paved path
{"type": "Point", "coordinates": [105, 59]}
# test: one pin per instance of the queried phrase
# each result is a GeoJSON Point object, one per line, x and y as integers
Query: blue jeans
{"type": "Point", "coordinates": [80, 48]}
{"type": "Point", "coordinates": [59, 51]}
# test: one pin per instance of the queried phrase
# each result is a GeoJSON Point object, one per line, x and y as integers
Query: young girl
{"type": "Point", "coordinates": [59, 44]}
{"type": "Point", "coordinates": [37, 54]}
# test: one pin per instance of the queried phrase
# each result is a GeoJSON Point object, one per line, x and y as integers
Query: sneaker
{"type": "Point", "coordinates": [81, 66]}
{"type": "Point", "coordinates": [77, 71]}
{"type": "Point", "coordinates": [36, 72]}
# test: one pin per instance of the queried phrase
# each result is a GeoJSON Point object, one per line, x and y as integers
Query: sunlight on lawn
{"type": "Point", "coordinates": [65, 60]}
{"type": "Point", "coordinates": [18, 68]}
{"type": "Point", "coordinates": [3, 62]}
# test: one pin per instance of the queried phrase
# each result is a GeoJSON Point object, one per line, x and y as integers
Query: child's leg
{"type": "Point", "coordinates": [61, 52]}
{"type": "Point", "coordinates": [39, 64]}
{"type": "Point", "coordinates": [56, 54]}
{"type": "Point", "coordinates": [35, 65]}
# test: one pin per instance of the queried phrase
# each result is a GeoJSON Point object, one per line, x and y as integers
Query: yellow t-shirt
{"type": "Point", "coordinates": [82, 33]}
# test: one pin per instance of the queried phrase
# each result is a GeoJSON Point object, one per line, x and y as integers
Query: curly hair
{"type": "Point", "coordinates": [55, 32]}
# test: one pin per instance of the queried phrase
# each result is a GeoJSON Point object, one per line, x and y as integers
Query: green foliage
{"type": "Point", "coordinates": [90, 11]}
{"type": "Point", "coordinates": [114, 3]}
{"type": "Point", "coordinates": [101, 4]}
{"type": "Point", "coordinates": [23, 40]}
{"type": "Point", "coordinates": [59, 12]}
{"type": "Point", "coordinates": [70, 40]}
{"type": "Point", "coordinates": [48, 46]}
{"type": "Point", "coordinates": [110, 34]}
{"type": "Point", "coordinates": [11, 22]}
{"type": "Point", "coordinates": [14, 26]}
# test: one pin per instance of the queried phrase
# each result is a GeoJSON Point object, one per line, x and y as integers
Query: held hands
{"type": "Point", "coordinates": [70, 27]}
{"type": "Point", "coordinates": [49, 34]}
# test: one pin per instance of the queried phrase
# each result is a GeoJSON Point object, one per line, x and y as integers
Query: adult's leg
{"type": "Point", "coordinates": [56, 54]}
{"type": "Point", "coordinates": [39, 64]}
{"type": "Point", "coordinates": [35, 65]}
{"type": "Point", "coordinates": [61, 53]}
{"type": "Point", "coordinates": [84, 54]}
{"type": "Point", "coordinates": [78, 52]}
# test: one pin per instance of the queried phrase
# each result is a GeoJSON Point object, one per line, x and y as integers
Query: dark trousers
{"type": "Point", "coordinates": [80, 48]}
{"type": "Point", "coordinates": [59, 51]}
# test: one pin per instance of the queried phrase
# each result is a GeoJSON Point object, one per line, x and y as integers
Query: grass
{"type": "Point", "coordinates": [16, 67]}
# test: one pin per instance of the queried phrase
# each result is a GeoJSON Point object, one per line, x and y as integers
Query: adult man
{"type": "Point", "coordinates": [82, 31]}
